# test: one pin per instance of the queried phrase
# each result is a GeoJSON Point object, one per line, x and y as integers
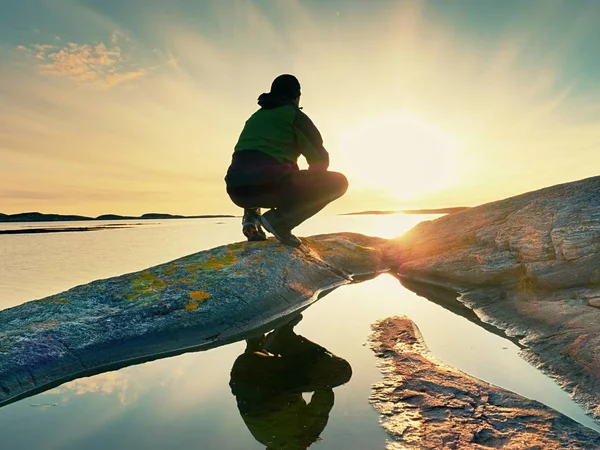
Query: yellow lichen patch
{"type": "Point", "coordinates": [238, 246]}
{"type": "Point", "coordinates": [170, 271]}
{"type": "Point", "coordinates": [199, 295]}
{"type": "Point", "coordinates": [146, 276]}
{"type": "Point", "coordinates": [146, 290]}
{"type": "Point", "coordinates": [60, 301]}
{"type": "Point", "coordinates": [145, 283]}
{"type": "Point", "coordinates": [197, 298]}
{"type": "Point", "coordinates": [191, 306]}
{"type": "Point", "coordinates": [213, 263]}
{"type": "Point", "coordinates": [158, 284]}
{"type": "Point", "coordinates": [261, 258]}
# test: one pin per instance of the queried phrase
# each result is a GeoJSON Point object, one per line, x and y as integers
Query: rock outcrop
{"type": "Point", "coordinates": [199, 301]}
{"type": "Point", "coordinates": [529, 264]}
{"type": "Point", "coordinates": [427, 405]}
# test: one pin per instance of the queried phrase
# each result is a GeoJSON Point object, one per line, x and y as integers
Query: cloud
{"type": "Point", "coordinates": [98, 65]}
{"type": "Point", "coordinates": [103, 384]}
{"type": "Point", "coordinates": [523, 117]}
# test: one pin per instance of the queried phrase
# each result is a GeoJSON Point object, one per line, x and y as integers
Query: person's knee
{"type": "Point", "coordinates": [339, 183]}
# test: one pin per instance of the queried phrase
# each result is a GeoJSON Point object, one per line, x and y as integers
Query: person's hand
{"type": "Point", "coordinates": [320, 167]}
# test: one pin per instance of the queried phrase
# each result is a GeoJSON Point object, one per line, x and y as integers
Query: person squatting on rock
{"type": "Point", "coordinates": [264, 172]}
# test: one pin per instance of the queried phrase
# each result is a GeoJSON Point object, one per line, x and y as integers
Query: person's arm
{"type": "Point", "coordinates": [310, 142]}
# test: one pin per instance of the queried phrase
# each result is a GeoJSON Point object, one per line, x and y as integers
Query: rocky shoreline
{"type": "Point", "coordinates": [529, 265]}
{"type": "Point", "coordinates": [196, 302]}
{"type": "Point", "coordinates": [428, 405]}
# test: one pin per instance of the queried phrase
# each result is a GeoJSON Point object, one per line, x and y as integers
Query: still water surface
{"type": "Point", "coordinates": [185, 401]}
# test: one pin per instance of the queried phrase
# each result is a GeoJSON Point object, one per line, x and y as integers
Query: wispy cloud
{"type": "Point", "coordinates": [99, 65]}
{"type": "Point", "coordinates": [103, 384]}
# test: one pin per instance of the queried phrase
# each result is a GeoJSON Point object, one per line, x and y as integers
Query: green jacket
{"type": "Point", "coordinates": [281, 130]}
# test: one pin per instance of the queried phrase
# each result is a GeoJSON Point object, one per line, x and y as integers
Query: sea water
{"type": "Point", "coordinates": [185, 401]}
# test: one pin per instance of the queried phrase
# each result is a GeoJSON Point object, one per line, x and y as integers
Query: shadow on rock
{"type": "Point", "coordinates": [268, 381]}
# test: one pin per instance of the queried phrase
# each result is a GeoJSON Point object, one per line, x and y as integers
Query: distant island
{"type": "Point", "coordinates": [410, 211]}
{"type": "Point", "coordinates": [40, 217]}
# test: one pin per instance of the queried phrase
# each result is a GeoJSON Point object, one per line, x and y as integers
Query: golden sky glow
{"type": "Point", "coordinates": [131, 116]}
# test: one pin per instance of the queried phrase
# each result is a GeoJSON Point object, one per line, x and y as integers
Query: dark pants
{"type": "Point", "coordinates": [295, 198]}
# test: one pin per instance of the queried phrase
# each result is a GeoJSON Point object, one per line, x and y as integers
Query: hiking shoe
{"type": "Point", "coordinates": [283, 235]}
{"type": "Point", "coordinates": [254, 233]}
{"type": "Point", "coordinates": [251, 216]}
{"type": "Point", "coordinates": [251, 226]}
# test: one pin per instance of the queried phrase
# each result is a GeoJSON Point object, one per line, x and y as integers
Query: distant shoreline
{"type": "Point", "coordinates": [409, 211]}
{"type": "Point", "coordinates": [58, 230]}
{"type": "Point", "coordinates": [41, 217]}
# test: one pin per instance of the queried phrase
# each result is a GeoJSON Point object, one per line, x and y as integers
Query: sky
{"type": "Point", "coordinates": [128, 107]}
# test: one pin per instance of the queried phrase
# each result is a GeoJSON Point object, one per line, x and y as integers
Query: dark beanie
{"type": "Point", "coordinates": [286, 86]}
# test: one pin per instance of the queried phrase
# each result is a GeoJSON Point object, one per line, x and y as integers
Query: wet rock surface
{"type": "Point", "coordinates": [427, 405]}
{"type": "Point", "coordinates": [529, 264]}
{"type": "Point", "coordinates": [199, 301]}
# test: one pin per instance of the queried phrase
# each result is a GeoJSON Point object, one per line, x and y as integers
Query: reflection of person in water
{"type": "Point", "coordinates": [268, 380]}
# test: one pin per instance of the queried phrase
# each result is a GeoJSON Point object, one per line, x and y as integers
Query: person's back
{"type": "Point", "coordinates": [264, 171]}
{"type": "Point", "coordinates": [271, 130]}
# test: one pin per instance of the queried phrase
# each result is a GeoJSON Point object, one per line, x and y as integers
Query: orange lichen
{"type": "Point", "coordinates": [191, 306]}
{"type": "Point", "coordinates": [213, 263]}
{"type": "Point", "coordinates": [170, 271]}
{"type": "Point", "coordinates": [199, 295]}
{"type": "Point", "coordinates": [197, 298]}
{"type": "Point", "coordinates": [145, 283]}
{"type": "Point", "coordinates": [158, 284]}
{"type": "Point", "coordinates": [60, 301]}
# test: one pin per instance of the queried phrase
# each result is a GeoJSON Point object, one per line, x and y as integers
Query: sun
{"type": "Point", "coordinates": [399, 155]}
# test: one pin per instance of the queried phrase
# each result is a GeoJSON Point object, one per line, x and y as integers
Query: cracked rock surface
{"type": "Point", "coordinates": [199, 301]}
{"type": "Point", "coordinates": [547, 239]}
{"type": "Point", "coordinates": [427, 405]}
{"type": "Point", "coordinates": [529, 264]}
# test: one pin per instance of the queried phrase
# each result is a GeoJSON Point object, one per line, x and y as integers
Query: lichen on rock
{"type": "Point", "coordinates": [198, 301]}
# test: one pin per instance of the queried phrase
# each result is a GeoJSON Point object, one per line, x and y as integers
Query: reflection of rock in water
{"type": "Point", "coordinates": [268, 386]}
{"type": "Point", "coordinates": [528, 264]}
{"type": "Point", "coordinates": [191, 303]}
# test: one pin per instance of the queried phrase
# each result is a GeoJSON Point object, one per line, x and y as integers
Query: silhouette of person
{"type": "Point", "coordinates": [264, 170]}
{"type": "Point", "coordinates": [268, 380]}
